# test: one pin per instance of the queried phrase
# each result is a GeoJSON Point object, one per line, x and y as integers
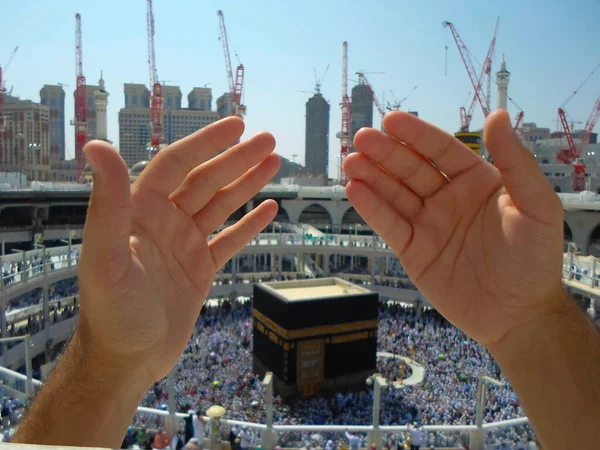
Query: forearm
{"type": "Point", "coordinates": [85, 402]}
{"type": "Point", "coordinates": [554, 367]}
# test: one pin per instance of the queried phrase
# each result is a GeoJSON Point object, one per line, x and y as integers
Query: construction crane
{"type": "Point", "coordinates": [398, 104]}
{"type": "Point", "coordinates": [473, 139]}
{"type": "Point", "coordinates": [344, 134]}
{"type": "Point", "coordinates": [572, 155]}
{"type": "Point", "coordinates": [156, 101]}
{"type": "Point", "coordinates": [362, 79]}
{"type": "Point", "coordinates": [2, 89]}
{"type": "Point", "coordinates": [80, 101]}
{"type": "Point", "coordinates": [236, 85]}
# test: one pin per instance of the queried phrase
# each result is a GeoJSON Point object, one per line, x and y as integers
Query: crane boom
{"type": "Point", "coordinates": [236, 85]}
{"type": "Point", "coordinates": [345, 132]}
{"type": "Point", "coordinates": [156, 101]}
{"type": "Point", "coordinates": [1, 104]}
{"type": "Point", "coordinates": [80, 100]}
{"type": "Point", "coordinates": [363, 79]}
{"type": "Point", "coordinates": [589, 126]}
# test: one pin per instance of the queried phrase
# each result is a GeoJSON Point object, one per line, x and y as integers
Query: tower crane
{"type": "Point", "coordinates": [156, 101]}
{"type": "Point", "coordinates": [344, 134]}
{"type": "Point", "coordinates": [80, 101]}
{"type": "Point", "coordinates": [362, 79]}
{"type": "Point", "coordinates": [236, 85]}
{"type": "Point", "coordinates": [398, 104]}
{"type": "Point", "coordinates": [473, 139]}
{"type": "Point", "coordinates": [6, 66]}
{"type": "Point", "coordinates": [572, 155]}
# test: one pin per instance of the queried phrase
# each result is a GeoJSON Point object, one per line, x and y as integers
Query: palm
{"type": "Point", "coordinates": [160, 270]}
{"type": "Point", "coordinates": [464, 243]}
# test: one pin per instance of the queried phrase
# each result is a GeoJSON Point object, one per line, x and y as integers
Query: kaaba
{"type": "Point", "coordinates": [316, 335]}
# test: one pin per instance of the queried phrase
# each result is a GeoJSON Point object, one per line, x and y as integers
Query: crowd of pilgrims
{"type": "Point", "coordinates": [216, 369]}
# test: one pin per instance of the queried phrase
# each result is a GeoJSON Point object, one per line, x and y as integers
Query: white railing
{"type": "Point", "coordinates": [268, 431]}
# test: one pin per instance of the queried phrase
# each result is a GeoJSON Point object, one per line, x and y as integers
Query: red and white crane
{"type": "Point", "coordinates": [6, 66]}
{"type": "Point", "coordinates": [344, 134]}
{"type": "Point", "coordinates": [236, 85]}
{"type": "Point", "coordinates": [80, 101]}
{"type": "Point", "coordinates": [156, 100]}
{"type": "Point", "coordinates": [477, 81]}
{"type": "Point", "coordinates": [572, 155]}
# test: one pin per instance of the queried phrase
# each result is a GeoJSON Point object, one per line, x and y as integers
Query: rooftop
{"type": "Point", "coordinates": [314, 288]}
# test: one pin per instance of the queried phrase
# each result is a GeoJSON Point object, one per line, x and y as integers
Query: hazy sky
{"type": "Point", "coordinates": [550, 48]}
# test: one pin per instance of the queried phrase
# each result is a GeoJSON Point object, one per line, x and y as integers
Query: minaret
{"type": "Point", "coordinates": [101, 101]}
{"type": "Point", "coordinates": [502, 79]}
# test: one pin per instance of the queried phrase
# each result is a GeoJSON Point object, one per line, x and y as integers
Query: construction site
{"type": "Point", "coordinates": [32, 135]}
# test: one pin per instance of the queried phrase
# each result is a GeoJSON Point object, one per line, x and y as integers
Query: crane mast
{"type": "Point", "coordinates": [7, 65]}
{"type": "Point", "coordinates": [345, 132]}
{"type": "Point", "coordinates": [80, 101]}
{"type": "Point", "coordinates": [156, 100]}
{"type": "Point", "coordinates": [236, 85]}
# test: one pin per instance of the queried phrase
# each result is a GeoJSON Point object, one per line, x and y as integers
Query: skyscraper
{"type": "Point", "coordinates": [361, 109]}
{"type": "Point", "coordinates": [25, 145]}
{"type": "Point", "coordinates": [224, 105]}
{"type": "Point", "coordinates": [53, 96]}
{"type": "Point", "coordinates": [316, 153]}
{"type": "Point", "coordinates": [178, 122]}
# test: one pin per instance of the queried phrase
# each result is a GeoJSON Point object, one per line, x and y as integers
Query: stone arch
{"type": "Point", "coordinates": [568, 234]}
{"type": "Point", "coordinates": [557, 188]}
{"type": "Point", "coordinates": [351, 217]}
{"type": "Point", "coordinates": [316, 215]}
{"type": "Point", "coordinates": [282, 216]}
{"type": "Point", "coordinates": [594, 242]}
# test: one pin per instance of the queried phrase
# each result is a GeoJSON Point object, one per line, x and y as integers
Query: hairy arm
{"type": "Point", "coordinates": [554, 366]}
{"type": "Point", "coordinates": [85, 402]}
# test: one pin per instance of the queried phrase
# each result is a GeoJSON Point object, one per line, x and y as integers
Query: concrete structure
{"type": "Point", "coordinates": [316, 150]}
{"type": "Point", "coordinates": [502, 80]}
{"type": "Point", "coordinates": [63, 171]}
{"type": "Point", "coordinates": [530, 132]}
{"type": "Point", "coordinates": [224, 105]}
{"type": "Point", "coordinates": [101, 104]}
{"type": "Point", "coordinates": [178, 122]}
{"type": "Point", "coordinates": [200, 99]}
{"type": "Point", "coordinates": [361, 110]}
{"type": "Point", "coordinates": [53, 96]}
{"type": "Point", "coordinates": [25, 145]}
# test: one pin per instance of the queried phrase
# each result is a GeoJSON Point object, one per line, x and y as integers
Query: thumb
{"type": "Point", "coordinates": [528, 187]}
{"type": "Point", "coordinates": [108, 223]}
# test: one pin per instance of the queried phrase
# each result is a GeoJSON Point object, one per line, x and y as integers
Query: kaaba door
{"type": "Point", "coordinates": [310, 365]}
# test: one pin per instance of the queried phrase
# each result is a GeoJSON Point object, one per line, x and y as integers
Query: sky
{"type": "Point", "coordinates": [550, 47]}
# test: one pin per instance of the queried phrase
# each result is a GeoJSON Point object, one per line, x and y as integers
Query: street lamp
{"type": "Point", "coordinates": [34, 147]}
{"type": "Point", "coordinates": [378, 382]}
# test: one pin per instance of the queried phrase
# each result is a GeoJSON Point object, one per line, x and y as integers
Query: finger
{"type": "Point", "coordinates": [108, 223]}
{"type": "Point", "coordinates": [408, 166]}
{"type": "Point", "coordinates": [380, 216]}
{"type": "Point", "coordinates": [528, 187]}
{"type": "Point", "coordinates": [171, 165]}
{"type": "Point", "coordinates": [237, 236]}
{"type": "Point", "coordinates": [202, 183]}
{"type": "Point", "coordinates": [447, 153]}
{"type": "Point", "coordinates": [406, 202]}
{"type": "Point", "coordinates": [232, 197]}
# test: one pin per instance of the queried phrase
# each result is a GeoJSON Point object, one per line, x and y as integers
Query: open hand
{"type": "Point", "coordinates": [146, 265]}
{"type": "Point", "coordinates": [483, 243]}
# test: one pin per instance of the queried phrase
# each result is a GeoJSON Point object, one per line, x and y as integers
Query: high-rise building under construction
{"type": "Point", "coordinates": [53, 96]}
{"type": "Point", "coordinates": [361, 109]}
{"type": "Point", "coordinates": [316, 152]}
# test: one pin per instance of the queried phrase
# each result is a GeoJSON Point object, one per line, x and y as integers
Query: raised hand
{"type": "Point", "coordinates": [483, 243]}
{"type": "Point", "coordinates": [146, 265]}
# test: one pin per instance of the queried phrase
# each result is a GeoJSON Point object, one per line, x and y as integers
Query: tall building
{"type": "Point", "coordinates": [90, 102]}
{"type": "Point", "coordinates": [25, 145]}
{"type": "Point", "coordinates": [101, 104]}
{"type": "Point", "coordinates": [316, 151]}
{"type": "Point", "coordinates": [502, 80]}
{"type": "Point", "coordinates": [53, 96]}
{"type": "Point", "coordinates": [361, 110]}
{"type": "Point", "coordinates": [135, 119]}
{"type": "Point", "coordinates": [200, 99]}
{"type": "Point", "coordinates": [224, 105]}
